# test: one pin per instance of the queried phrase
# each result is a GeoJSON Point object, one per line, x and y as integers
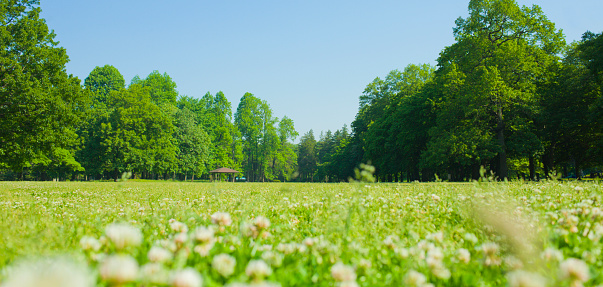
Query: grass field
{"type": "Point", "coordinates": [303, 234]}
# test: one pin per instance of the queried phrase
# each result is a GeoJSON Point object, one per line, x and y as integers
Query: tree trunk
{"type": "Point", "coordinates": [503, 170]}
{"type": "Point", "coordinates": [192, 177]}
{"type": "Point", "coordinates": [532, 168]}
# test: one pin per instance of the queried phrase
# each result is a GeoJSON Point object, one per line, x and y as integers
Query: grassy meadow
{"type": "Point", "coordinates": [303, 234]}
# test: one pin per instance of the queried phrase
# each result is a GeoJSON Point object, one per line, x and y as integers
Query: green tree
{"type": "Point", "coordinates": [102, 80]}
{"type": "Point", "coordinates": [193, 144]}
{"type": "Point", "coordinates": [502, 52]}
{"type": "Point", "coordinates": [306, 156]}
{"type": "Point", "coordinates": [160, 86]}
{"type": "Point", "coordinates": [40, 104]}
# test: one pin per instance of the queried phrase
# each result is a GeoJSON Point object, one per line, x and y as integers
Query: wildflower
{"type": "Point", "coordinates": [343, 273]}
{"type": "Point", "coordinates": [159, 254]}
{"type": "Point", "coordinates": [261, 222]}
{"type": "Point", "coordinates": [258, 269]}
{"type": "Point", "coordinates": [221, 218]}
{"type": "Point", "coordinates": [490, 252]}
{"type": "Point", "coordinates": [520, 278]}
{"type": "Point", "coordinates": [435, 197]}
{"type": "Point", "coordinates": [187, 277]}
{"type": "Point", "coordinates": [204, 234]}
{"type": "Point", "coordinates": [123, 235]}
{"type": "Point", "coordinates": [414, 278]}
{"type": "Point", "coordinates": [224, 264]}
{"type": "Point", "coordinates": [552, 254]}
{"type": "Point", "coordinates": [90, 243]}
{"type": "Point", "coordinates": [203, 249]}
{"type": "Point", "coordinates": [154, 273]}
{"type": "Point", "coordinates": [49, 272]}
{"type": "Point", "coordinates": [178, 226]}
{"type": "Point", "coordinates": [119, 269]}
{"type": "Point", "coordinates": [180, 238]}
{"type": "Point", "coordinates": [275, 259]}
{"type": "Point", "coordinates": [463, 255]}
{"type": "Point", "coordinates": [575, 270]}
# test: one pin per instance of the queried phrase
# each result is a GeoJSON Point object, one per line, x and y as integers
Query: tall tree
{"type": "Point", "coordinates": [501, 53]}
{"type": "Point", "coordinates": [40, 104]}
{"type": "Point", "coordinates": [306, 156]}
{"type": "Point", "coordinates": [102, 80]}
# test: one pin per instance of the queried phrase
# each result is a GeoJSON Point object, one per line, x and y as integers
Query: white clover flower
{"type": "Point", "coordinates": [435, 197]}
{"type": "Point", "coordinates": [119, 269]}
{"type": "Point", "coordinates": [343, 273]}
{"type": "Point", "coordinates": [187, 277]}
{"type": "Point", "coordinates": [89, 243]}
{"type": "Point", "coordinates": [261, 222]}
{"type": "Point", "coordinates": [520, 278]}
{"type": "Point", "coordinates": [154, 273]}
{"type": "Point", "coordinates": [178, 226]}
{"type": "Point", "coordinates": [48, 272]}
{"type": "Point", "coordinates": [414, 278]}
{"type": "Point", "coordinates": [471, 238]}
{"type": "Point", "coordinates": [273, 258]}
{"type": "Point", "coordinates": [203, 249]}
{"type": "Point", "coordinates": [574, 269]}
{"type": "Point", "coordinates": [221, 218]}
{"type": "Point", "coordinates": [180, 238]}
{"type": "Point", "coordinates": [258, 269]}
{"type": "Point", "coordinates": [463, 255]}
{"type": "Point", "coordinates": [159, 254]}
{"type": "Point", "coordinates": [204, 234]}
{"type": "Point", "coordinates": [552, 254]}
{"type": "Point", "coordinates": [224, 264]}
{"type": "Point", "coordinates": [123, 235]}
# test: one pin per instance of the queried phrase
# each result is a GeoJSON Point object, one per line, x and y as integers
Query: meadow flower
{"type": "Point", "coordinates": [123, 235]}
{"type": "Point", "coordinates": [342, 272]}
{"type": "Point", "coordinates": [154, 273]}
{"type": "Point", "coordinates": [119, 269]}
{"type": "Point", "coordinates": [520, 278]}
{"type": "Point", "coordinates": [552, 254]}
{"type": "Point", "coordinates": [221, 218]}
{"type": "Point", "coordinates": [575, 270]}
{"type": "Point", "coordinates": [491, 254]}
{"type": "Point", "coordinates": [261, 222]}
{"type": "Point", "coordinates": [180, 238]}
{"type": "Point", "coordinates": [90, 243]}
{"type": "Point", "coordinates": [463, 255]}
{"type": "Point", "coordinates": [414, 278]}
{"type": "Point", "coordinates": [203, 249]}
{"type": "Point", "coordinates": [224, 264]}
{"type": "Point", "coordinates": [204, 234]}
{"type": "Point", "coordinates": [159, 254]}
{"type": "Point", "coordinates": [48, 272]}
{"type": "Point", "coordinates": [187, 277]}
{"type": "Point", "coordinates": [257, 270]}
{"type": "Point", "coordinates": [178, 226]}
{"type": "Point", "coordinates": [435, 197]}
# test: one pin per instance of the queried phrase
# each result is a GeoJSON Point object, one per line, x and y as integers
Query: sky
{"type": "Point", "coordinates": [310, 60]}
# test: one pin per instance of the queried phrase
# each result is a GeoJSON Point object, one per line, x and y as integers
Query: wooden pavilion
{"type": "Point", "coordinates": [222, 170]}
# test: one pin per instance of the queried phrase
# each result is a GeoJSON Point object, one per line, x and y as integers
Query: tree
{"type": "Point", "coordinates": [40, 104]}
{"type": "Point", "coordinates": [102, 80]}
{"type": "Point", "coordinates": [501, 53]}
{"type": "Point", "coordinates": [193, 144]}
{"type": "Point", "coordinates": [306, 156]}
{"type": "Point", "coordinates": [160, 86]}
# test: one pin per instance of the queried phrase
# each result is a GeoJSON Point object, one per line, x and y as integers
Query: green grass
{"type": "Point", "coordinates": [382, 230]}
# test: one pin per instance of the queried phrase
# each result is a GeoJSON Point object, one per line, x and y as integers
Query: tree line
{"type": "Point", "coordinates": [53, 127]}
{"type": "Point", "coordinates": [509, 97]}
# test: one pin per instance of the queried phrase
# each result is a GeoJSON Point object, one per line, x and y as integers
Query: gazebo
{"type": "Point", "coordinates": [223, 170]}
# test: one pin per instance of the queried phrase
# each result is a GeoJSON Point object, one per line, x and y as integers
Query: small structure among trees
{"type": "Point", "coordinates": [216, 173]}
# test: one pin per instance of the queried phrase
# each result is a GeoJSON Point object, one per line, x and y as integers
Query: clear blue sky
{"type": "Point", "coordinates": [310, 59]}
